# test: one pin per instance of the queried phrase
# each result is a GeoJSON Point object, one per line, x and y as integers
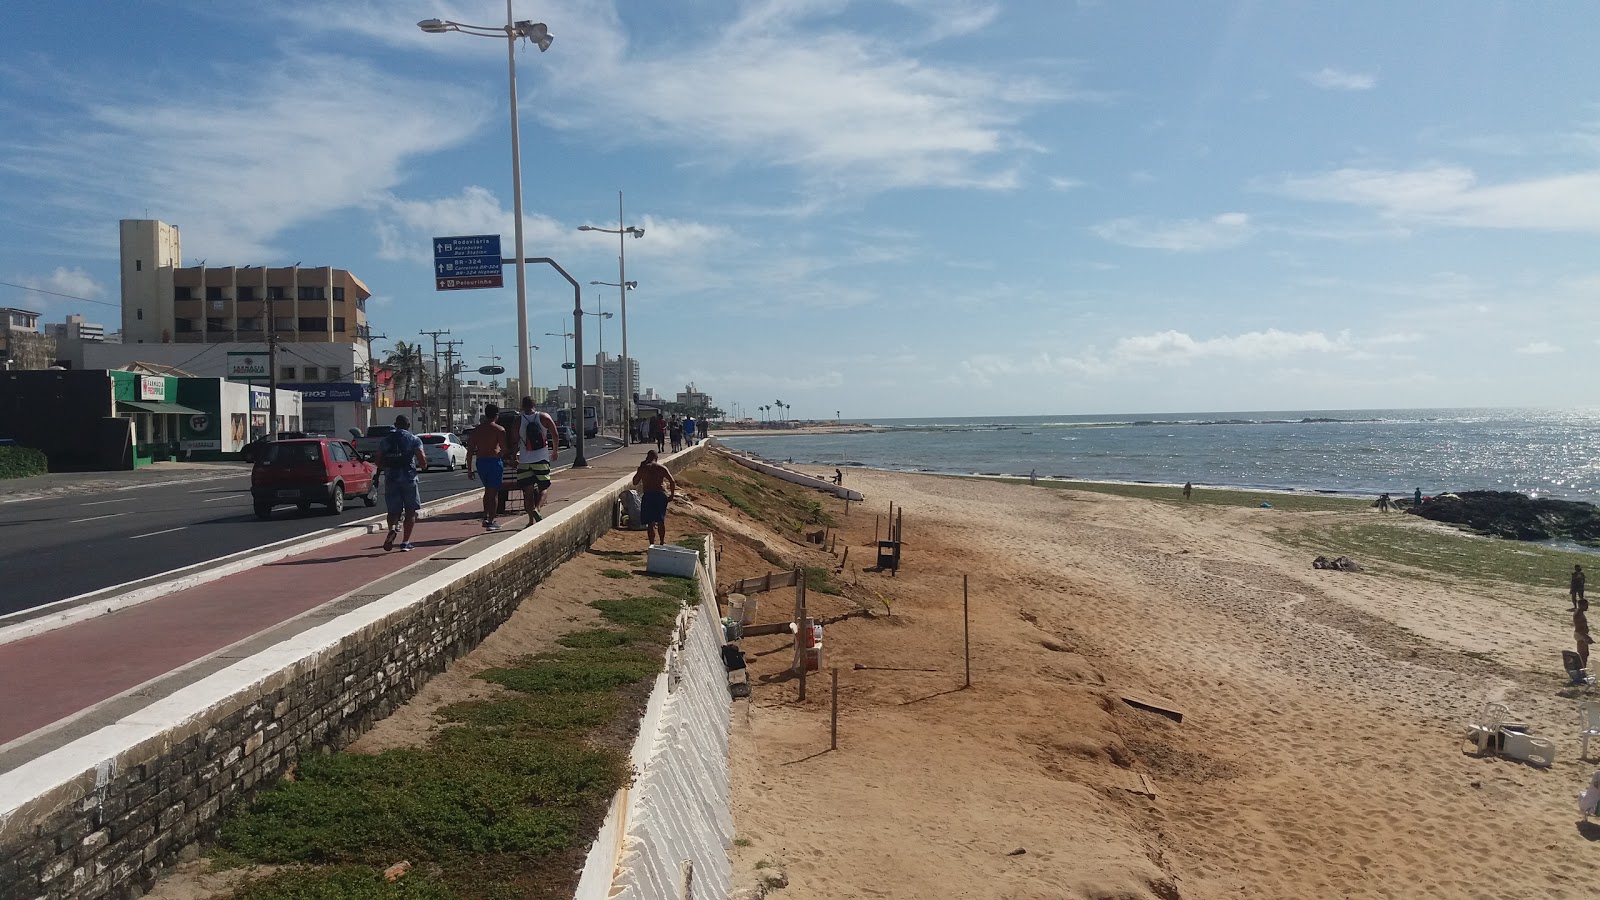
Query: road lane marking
{"type": "Point", "coordinates": [103, 502]}
{"type": "Point", "coordinates": [224, 497]}
{"type": "Point", "coordinates": [93, 518]}
{"type": "Point", "coordinates": [154, 533]}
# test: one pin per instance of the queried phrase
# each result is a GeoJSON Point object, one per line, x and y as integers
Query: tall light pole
{"type": "Point", "coordinates": [602, 316]}
{"type": "Point", "coordinates": [539, 33]}
{"type": "Point", "coordinates": [623, 286]}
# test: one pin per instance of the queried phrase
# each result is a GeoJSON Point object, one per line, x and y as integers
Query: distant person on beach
{"type": "Point", "coordinates": [1033, 476]}
{"type": "Point", "coordinates": [1580, 633]}
{"type": "Point", "coordinates": [1383, 503]}
{"type": "Point", "coordinates": [1578, 603]}
{"type": "Point", "coordinates": [838, 476]}
{"type": "Point", "coordinates": [1188, 488]}
{"type": "Point", "coordinates": [653, 479]}
{"type": "Point", "coordinates": [1416, 499]}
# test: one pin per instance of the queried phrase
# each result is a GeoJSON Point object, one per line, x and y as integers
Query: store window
{"type": "Point", "coordinates": [286, 373]}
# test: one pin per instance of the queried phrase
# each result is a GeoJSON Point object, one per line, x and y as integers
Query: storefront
{"type": "Point", "coordinates": [335, 407]}
{"type": "Point", "coordinates": [232, 415]}
{"type": "Point", "coordinates": [150, 403]}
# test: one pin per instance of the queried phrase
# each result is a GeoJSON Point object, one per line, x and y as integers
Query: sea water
{"type": "Point", "coordinates": [1541, 452]}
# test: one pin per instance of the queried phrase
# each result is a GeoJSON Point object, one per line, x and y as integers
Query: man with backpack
{"type": "Point", "coordinates": [402, 456]}
{"type": "Point", "coordinates": [537, 449]}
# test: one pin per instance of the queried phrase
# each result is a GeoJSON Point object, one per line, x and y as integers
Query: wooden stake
{"type": "Point", "coordinates": [844, 563]}
{"type": "Point", "coordinates": [966, 630]}
{"type": "Point", "coordinates": [847, 506]}
{"type": "Point", "coordinates": [834, 726]}
{"type": "Point", "coordinates": [876, 521]}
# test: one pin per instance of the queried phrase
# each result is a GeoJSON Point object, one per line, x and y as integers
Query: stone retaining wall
{"type": "Point", "coordinates": [105, 815]}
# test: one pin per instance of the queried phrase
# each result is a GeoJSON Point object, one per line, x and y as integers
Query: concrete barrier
{"type": "Point", "coordinates": [672, 828]}
{"type": "Point", "coordinates": [779, 472]}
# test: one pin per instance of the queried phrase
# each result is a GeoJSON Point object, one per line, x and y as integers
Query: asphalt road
{"type": "Point", "coordinates": [53, 548]}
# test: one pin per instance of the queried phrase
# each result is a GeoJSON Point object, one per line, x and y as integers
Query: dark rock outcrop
{"type": "Point", "coordinates": [1511, 515]}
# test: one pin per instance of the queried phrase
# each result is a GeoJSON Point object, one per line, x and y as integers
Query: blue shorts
{"type": "Point", "coordinates": [492, 472]}
{"type": "Point", "coordinates": [653, 508]}
{"type": "Point", "coordinates": [404, 497]}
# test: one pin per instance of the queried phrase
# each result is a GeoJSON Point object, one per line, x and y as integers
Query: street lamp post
{"type": "Point", "coordinates": [602, 316]}
{"type": "Point", "coordinates": [539, 33]}
{"type": "Point", "coordinates": [623, 286]}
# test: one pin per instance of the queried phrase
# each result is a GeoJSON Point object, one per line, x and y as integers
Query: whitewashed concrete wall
{"type": "Point", "coordinates": [675, 819]}
{"type": "Point", "coordinates": [777, 471]}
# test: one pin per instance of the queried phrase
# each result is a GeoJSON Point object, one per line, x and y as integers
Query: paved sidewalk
{"type": "Point", "coordinates": [65, 683]}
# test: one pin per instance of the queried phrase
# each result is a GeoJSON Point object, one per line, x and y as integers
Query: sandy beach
{"type": "Point", "coordinates": [1320, 754]}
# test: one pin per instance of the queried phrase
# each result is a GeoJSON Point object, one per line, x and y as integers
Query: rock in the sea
{"type": "Point", "coordinates": [1508, 514]}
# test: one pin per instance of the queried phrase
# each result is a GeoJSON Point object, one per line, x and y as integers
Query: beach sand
{"type": "Point", "coordinates": [1321, 751]}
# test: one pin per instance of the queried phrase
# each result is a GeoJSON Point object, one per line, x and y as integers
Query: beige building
{"type": "Point", "coordinates": [166, 303]}
{"type": "Point", "coordinates": [21, 344]}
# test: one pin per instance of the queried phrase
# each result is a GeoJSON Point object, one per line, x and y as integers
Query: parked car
{"type": "Point", "coordinates": [311, 470]}
{"type": "Point", "coordinates": [444, 449]}
{"type": "Point", "coordinates": [253, 449]}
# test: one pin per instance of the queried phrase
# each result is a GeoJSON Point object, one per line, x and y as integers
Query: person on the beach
{"type": "Point", "coordinates": [1033, 476]}
{"type": "Point", "coordinates": [486, 445]}
{"type": "Point", "coordinates": [653, 480]}
{"type": "Point", "coordinates": [1416, 498]}
{"type": "Point", "coordinates": [537, 449]}
{"type": "Point", "coordinates": [675, 432]}
{"type": "Point", "coordinates": [838, 476]}
{"type": "Point", "coordinates": [1580, 633]}
{"type": "Point", "coordinates": [1188, 488]}
{"type": "Point", "coordinates": [402, 456]}
{"type": "Point", "coordinates": [1578, 603]}
{"type": "Point", "coordinates": [658, 431]}
{"type": "Point", "coordinates": [1383, 503]}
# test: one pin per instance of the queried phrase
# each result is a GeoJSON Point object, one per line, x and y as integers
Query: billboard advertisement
{"type": "Point", "coordinates": [247, 365]}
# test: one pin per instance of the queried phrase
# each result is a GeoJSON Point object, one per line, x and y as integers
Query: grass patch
{"type": "Point", "coordinates": [594, 639]}
{"type": "Point", "coordinates": [784, 506]}
{"type": "Point", "coordinates": [1390, 549]}
{"type": "Point", "coordinates": [616, 573]}
{"type": "Point", "coordinates": [821, 580]}
{"type": "Point", "coordinates": [573, 671]}
{"type": "Point", "coordinates": [344, 883]}
{"type": "Point", "coordinates": [693, 542]}
{"type": "Point", "coordinates": [541, 712]}
{"type": "Point", "coordinates": [1209, 497]}
{"type": "Point", "coordinates": [742, 842]}
{"type": "Point", "coordinates": [645, 613]}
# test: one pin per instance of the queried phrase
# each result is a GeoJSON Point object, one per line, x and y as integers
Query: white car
{"type": "Point", "coordinates": [444, 449]}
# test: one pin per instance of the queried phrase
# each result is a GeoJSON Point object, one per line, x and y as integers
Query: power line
{"type": "Point", "coordinates": [59, 294]}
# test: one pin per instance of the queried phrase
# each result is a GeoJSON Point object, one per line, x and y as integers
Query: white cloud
{"type": "Point", "coordinates": [1539, 348]}
{"type": "Point", "coordinates": [1064, 184]}
{"type": "Point", "coordinates": [254, 152]}
{"type": "Point", "coordinates": [71, 282]}
{"type": "Point", "coordinates": [1216, 233]}
{"type": "Point", "coordinates": [1332, 79]}
{"type": "Point", "coordinates": [1177, 348]}
{"type": "Point", "coordinates": [1452, 195]}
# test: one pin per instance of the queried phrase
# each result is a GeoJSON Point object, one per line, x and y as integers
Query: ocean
{"type": "Point", "coordinates": [1540, 452]}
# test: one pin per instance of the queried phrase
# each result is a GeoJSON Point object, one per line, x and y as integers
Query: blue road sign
{"type": "Point", "coordinates": [467, 261]}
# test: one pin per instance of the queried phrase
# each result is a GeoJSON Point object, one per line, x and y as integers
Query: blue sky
{"type": "Point", "coordinates": [881, 207]}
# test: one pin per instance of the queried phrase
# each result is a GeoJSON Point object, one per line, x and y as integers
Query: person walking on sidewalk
{"type": "Point", "coordinates": [658, 431]}
{"type": "Point", "coordinates": [688, 431]}
{"type": "Point", "coordinates": [537, 449]}
{"type": "Point", "coordinates": [653, 478]}
{"type": "Point", "coordinates": [403, 456]}
{"type": "Point", "coordinates": [675, 431]}
{"type": "Point", "coordinates": [486, 444]}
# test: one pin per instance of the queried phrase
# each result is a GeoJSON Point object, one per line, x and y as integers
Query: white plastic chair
{"type": "Point", "coordinates": [1589, 719]}
{"type": "Point", "coordinates": [1536, 751]}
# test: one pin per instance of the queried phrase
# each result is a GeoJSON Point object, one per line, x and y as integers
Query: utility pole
{"type": "Point", "coordinates": [272, 367]}
{"type": "Point", "coordinates": [435, 336]}
{"type": "Point", "coordinates": [372, 370]}
{"type": "Point", "coordinates": [450, 383]}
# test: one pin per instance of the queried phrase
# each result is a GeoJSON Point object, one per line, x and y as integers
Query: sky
{"type": "Point", "coordinates": [873, 208]}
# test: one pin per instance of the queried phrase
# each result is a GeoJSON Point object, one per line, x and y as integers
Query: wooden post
{"type": "Point", "coordinates": [899, 523]}
{"type": "Point", "coordinates": [876, 521]}
{"type": "Point", "coordinates": [966, 631]}
{"type": "Point", "coordinates": [767, 585]}
{"type": "Point", "coordinates": [847, 506]}
{"type": "Point", "coordinates": [802, 633]}
{"type": "Point", "coordinates": [843, 563]}
{"type": "Point", "coordinates": [833, 728]}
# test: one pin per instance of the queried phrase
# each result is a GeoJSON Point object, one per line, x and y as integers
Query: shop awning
{"type": "Point", "coordinates": [152, 406]}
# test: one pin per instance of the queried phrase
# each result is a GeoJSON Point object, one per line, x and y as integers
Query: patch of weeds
{"type": "Point", "coordinates": [541, 712]}
{"type": "Point", "coordinates": [344, 883]}
{"type": "Point", "coordinates": [770, 558]}
{"type": "Point", "coordinates": [1206, 496]}
{"type": "Point", "coordinates": [473, 791]}
{"type": "Point", "coordinates": [763, 863]}
{"type": "Point", "coordinates": [594, 638]}
{"type": "Point", "coordinates": [679, 589]}
{"type": "Point", "coordinates": [639, 612]}
{"type": "Point", "coordinates": [703, 521]}
{"type": "Point", "coordinates": [576, 671]}
{"type": "Point", "coordinates": [742, 842]}
{"type": "Point", "coordinates": [821, 580]}
{"type": "Point", "coordinates": [616, 573]}
{"type": "Point", "coordinates": [1436, 555]}
{"type": "Point", "coordinates": [694, 542]}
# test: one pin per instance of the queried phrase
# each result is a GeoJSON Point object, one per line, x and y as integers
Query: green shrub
{"type": "Point", "coordinates": [536, 712]}
{"type": "Point", "coordinates": [639, 612]}
{"type": "Point", "coordinates": [343, 883]}
{"type": "Point", "coordinates": [21, 462]}
{"type": "Point", "coordinates": [576, 671]}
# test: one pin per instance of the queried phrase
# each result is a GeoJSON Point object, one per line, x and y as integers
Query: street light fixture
{"type": "Point", "coordinates": [623, 286]}
{"type": "Point", "coordinates": [539, 34]}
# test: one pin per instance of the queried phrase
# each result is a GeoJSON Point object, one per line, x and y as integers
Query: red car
{"type": "Point", "coordinates": [311, 470]}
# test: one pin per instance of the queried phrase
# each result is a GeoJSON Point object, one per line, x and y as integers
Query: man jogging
{"type": "Point", "coordinates": [486, 444]}
{"type": "Point", "coordinates": [537, 449]}
{"type": "Point", "coordinates": [402, 456]}
{"type": "Point", "coordinates": [653, 479]}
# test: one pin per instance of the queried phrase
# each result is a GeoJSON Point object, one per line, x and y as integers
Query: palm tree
{"type": "Point", "coordinates": [778, 403]}
{"type": "Point", "coordinates": [404, 361]}
{"type": "Point", "coordinates": [786, 408]}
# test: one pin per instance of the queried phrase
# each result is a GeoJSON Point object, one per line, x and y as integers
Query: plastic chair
{"type": "Point", "coordinates": [1532, 750]}
{"type": "Point", "coordinates": [1589, 718]}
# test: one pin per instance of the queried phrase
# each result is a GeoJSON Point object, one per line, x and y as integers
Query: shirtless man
{"type": "Point", "coordinates": [653, 478]}
{"type": "Point", "coordinates": [487, 444]}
